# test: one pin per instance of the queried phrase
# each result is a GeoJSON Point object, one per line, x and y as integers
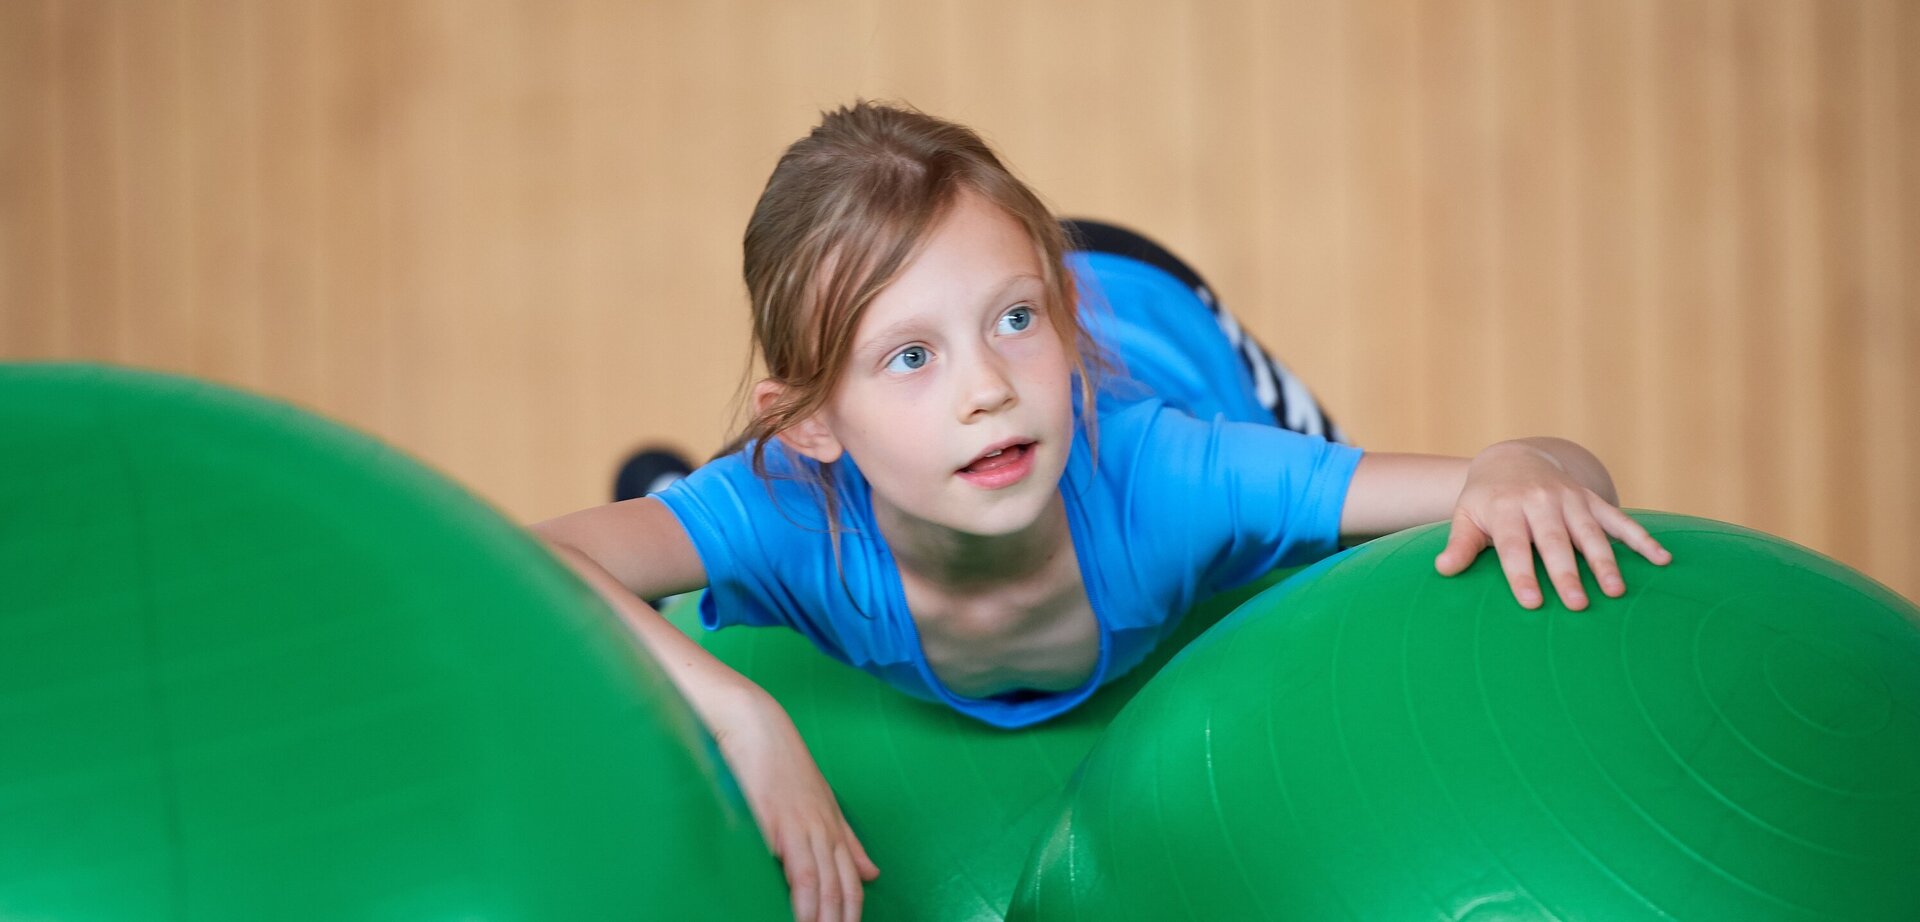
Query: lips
{"type": "Point", "coordinates": [999, 455]}
{"type": "Point", "coordinates": [1001, 466]}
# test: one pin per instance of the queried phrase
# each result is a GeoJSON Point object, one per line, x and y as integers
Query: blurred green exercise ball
{"type": "Point", "coordinates": [256, 666]}
{"type": "Point", "coordinates": [1736, 738]}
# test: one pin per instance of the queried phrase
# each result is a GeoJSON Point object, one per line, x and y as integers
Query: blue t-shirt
{"type": "Point", "coordinates": [1185, 499]}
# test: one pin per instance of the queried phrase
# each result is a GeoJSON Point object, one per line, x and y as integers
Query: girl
{"type": "Point", "coordinates": [943, 482]}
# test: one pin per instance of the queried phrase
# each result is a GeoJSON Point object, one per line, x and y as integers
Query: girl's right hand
{"type": "Point", "coordinates": [798, 815]}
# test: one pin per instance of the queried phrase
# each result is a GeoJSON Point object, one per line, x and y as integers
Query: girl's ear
{"type": "Point", "coordinates": [810, 436]}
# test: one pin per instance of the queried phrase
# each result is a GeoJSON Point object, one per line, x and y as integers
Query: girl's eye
{"type": "Point", "coordinates": [908, 359]}
{"type": "Point", "coordinates": [1016, 320]}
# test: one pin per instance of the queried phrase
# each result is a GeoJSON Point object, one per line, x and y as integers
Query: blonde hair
{"type": "Point", "coordinates": [845, 210]}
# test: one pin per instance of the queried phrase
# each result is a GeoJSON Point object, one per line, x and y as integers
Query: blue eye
{"type": "Point", "coordinates": [1016, 320]}
{"type": "Point", "coordinates": [911, 358]}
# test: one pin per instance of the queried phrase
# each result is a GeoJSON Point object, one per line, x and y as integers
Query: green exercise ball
{"type": "Point", "coordinates": [1738, 737]}
{"type": "Point", "coordinates": [949, 808]}
{"type": "Point", "coordinates": [256, 666]}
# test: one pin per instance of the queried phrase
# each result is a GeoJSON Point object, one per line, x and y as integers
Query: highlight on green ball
{"type": "Point", "coordinates": [254, 665]}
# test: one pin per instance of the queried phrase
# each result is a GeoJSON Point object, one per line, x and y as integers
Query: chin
{"type": "Point", "coordinates": [1006, 521]}
{"type": "Point", "coordinates": [1014, 510]}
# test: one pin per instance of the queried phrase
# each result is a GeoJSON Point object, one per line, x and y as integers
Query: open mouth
{"type": "Point", "coordinates": [999, 458]}
{"type": "Point", "coordinates": [1000, 467]}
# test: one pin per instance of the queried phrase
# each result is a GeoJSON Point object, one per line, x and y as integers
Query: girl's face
{"type": "Point", "coordinates": [957, 397]}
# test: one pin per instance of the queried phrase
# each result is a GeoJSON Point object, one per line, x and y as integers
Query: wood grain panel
{"type": "Point", "coordinates": [504, 235]}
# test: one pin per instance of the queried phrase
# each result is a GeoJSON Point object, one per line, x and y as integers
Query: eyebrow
{"type": "Point", "coordinates": [902, 330]}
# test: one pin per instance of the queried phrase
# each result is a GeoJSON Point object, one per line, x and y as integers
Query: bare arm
{"type": "Point", "coordinates": [1392, 492]}
{"type": "Point", "coordinates": [637, 549]}
{"type": "Point", "coordinates": [634, 550]}
{"type": "Point", "coordinates": [639, 543]}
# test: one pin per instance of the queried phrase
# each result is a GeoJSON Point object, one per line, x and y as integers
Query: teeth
{"type": "Point", "coordinates": [994, 453]}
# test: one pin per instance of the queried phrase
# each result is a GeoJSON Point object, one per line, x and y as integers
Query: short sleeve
{"type": "Point", "coordinates": [1228, 501]}
{"type": "Point", "coordinates": [742, 527]}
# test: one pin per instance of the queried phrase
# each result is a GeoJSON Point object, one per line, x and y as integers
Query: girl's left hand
{"type": "Point", "coordinates": [1517, 497]}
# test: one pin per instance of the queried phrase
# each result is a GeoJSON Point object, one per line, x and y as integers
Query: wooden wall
{"type": "Point", "coordinates": [504, 234]}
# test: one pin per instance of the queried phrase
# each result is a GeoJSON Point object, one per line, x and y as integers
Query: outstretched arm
{"type": "Point", "coordinates": [637, 549]}
{"type": "Point", "coordinates": [1515, 495]}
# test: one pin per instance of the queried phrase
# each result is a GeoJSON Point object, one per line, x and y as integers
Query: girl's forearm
{"type": "Point", "coordinates": [717, 692]}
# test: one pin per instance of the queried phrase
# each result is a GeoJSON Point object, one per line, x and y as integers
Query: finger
{"type": "Point", "coordinates": [849, 881]}
{"type": "Point", "coordinates": [1593, 543]}
{"type": "Point", "coordinates": [832, 901]}
{"type": "Point", "coordinates": [803, 877]}
{"type": "Point", "coordinates": [1550, 536]}
{"type": "Point", "coordinates": [1464, 543]}
{"type": "Point", "coordinates": [868, 870]}
{"type": "Point", "coordinates": [1622, 526]}
{"type": "Point", "coordinates": [1514, 544]}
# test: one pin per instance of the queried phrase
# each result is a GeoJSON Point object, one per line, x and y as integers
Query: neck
{"type": "Point", "coordinates": [962, 563]}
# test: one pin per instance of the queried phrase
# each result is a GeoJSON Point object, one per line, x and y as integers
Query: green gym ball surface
{"type": "Point", "coordinates": [1736, 738]}
{"type": "Point", "coordinates": [256, 666]}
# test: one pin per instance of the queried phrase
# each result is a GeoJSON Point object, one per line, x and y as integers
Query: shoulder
{"type": "Point", "coordinates": [771, 560]}
{"type": "Point", "coordinates": [728, 493]}
{"type": "Point", "coordinates": [1152, 432]}
{"type": "Point", "coordinates": [1214, 496]}
{"type": "Point", "coordinates": [747, 527]}
{"type": "Point", "coordinates": [1142, 433]}
{"type": "Point", "coordinates": [1122, 437]}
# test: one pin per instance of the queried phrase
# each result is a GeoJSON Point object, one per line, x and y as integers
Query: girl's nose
{"type": "Point", "coordinates": [988, 389]}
